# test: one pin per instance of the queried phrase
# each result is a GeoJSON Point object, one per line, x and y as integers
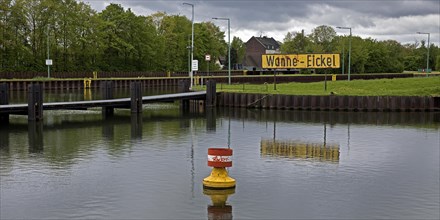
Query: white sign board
{"type": "Point", "coordinates": [207, 57]}
{"type": "Point", "coordinates": [195, 65]}
{"type": "Point", "coordinates": [49, 62]}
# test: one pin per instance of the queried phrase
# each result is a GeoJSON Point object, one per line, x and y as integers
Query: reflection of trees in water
{"type": "Point", "coordinates": [299, 150]}
{"type": "Point", "coordinates": [64, 136]}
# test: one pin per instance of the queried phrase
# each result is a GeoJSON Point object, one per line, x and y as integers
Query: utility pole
{"type": "Point", "coordinates": [191, 73]}
{"type": "Point", "coordinates": [48, 61]}
{"type": "Point", "coordinates": [427, 57]}
{"type": "Point", "coordinates": [349, 51]}
{"type": "Point", "coordinates": [229, 47]}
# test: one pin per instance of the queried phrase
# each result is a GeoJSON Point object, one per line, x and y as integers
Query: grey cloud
{"type": "Point", "coordinates": [279, 15]}
{"type": "Point", "coordinates": [391, 8]}
{"type": "Point", "coordinates": [245, 11]}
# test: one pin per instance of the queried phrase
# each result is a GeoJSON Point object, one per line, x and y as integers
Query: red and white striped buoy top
{"type": "Point", "coordinates": [219, 157]}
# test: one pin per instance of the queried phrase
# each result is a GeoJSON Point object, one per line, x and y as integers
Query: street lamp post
{"type": "Point", "coordinates": [229, 46]}
{"type": "Point", "coordinates": [47, 61]}
{"type": "Point", "coordinates": [343, 57]}
{"type": "Point", "coordinates": [192, 42]}
{"type": "Point", "coordinates": [189, 55]}
{"type": "Point", "coordinates": [349, 51]}
{"type": "Point", "coordinates": [427, 58]}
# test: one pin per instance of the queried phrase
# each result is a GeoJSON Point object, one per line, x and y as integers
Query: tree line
{"type": "Point", "coordinates": [77, 38]}
{"type": "Point", "coordinates": [367, 55]}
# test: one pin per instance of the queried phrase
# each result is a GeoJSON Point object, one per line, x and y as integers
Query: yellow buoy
{"type": "Point", "coordinates": [219, 159]}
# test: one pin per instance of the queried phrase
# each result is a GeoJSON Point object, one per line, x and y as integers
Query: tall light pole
{"type": "Point", "coordinates": [349, 51]}
{"type": "Point", "coordinates": [229, 46]}
{"type": "Point", "coordinates": [48, 59]}
{"type": "Point", "coordinates": [192, 42]}
{"type": "Point", "coordinates": [427, 59]}
{"type": "Point", "coordinates": [343, 56]}
{"type": "Point", "coordinates": [189, 55]}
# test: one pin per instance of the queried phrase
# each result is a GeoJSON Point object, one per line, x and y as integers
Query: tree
{"type": "Point", "coordinates": [171, 47]}
{"type": "Point", "coordinates": [414, 56]}
{"type": "Point", "coordinates": [323, 35]}
{"type": "Point", "coordinates": [116, 39]}
{"type": "Point", "coordinates": [88, 45]}
{"type": "Point", "coordinates": [437, 63]}
{"type": "Point", "coordinates": [117, 46]}
{"type": "Point", "coordinates": [394, 60]}
{"type": "Point", "coordinates": [5, 39]}
{"type": "Point", "coordinates": [296, 43]}
{"type": "Point", "coordinates": [367, 55]}
{"type": "Point", "coordinates": [239, 49]}
{"type": "Point", "coordinates": [210, 40]}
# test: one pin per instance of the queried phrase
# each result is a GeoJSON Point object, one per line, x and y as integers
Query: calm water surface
{"type": "Point", "coordinates": [287, 164]}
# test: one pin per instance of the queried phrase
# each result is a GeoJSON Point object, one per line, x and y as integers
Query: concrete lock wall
{"type": "Point", "coordinates": [342, 103]}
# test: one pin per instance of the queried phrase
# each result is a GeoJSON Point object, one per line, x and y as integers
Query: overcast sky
{"type": "Point", "coordinates": [379, 19]}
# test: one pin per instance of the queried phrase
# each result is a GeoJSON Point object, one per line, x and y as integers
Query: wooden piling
{"type": "Point", "coordinates": [35, 102]}
{"type": "Point", "coordinates": [435, 102]}
{"type": "Point", "coordinates": [211, 94]}
{"type": "Point", "coordinates": [4, 100]}
{"type": "Point", "coordinates": [184, 87]}
{"type": "Point", "coordinates": [136, 97]}
{"type": "Point", "coordinates": [107, 93]}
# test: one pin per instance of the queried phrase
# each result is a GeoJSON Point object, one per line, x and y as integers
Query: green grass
{"type": "Point", "coordinates": [423, 86]}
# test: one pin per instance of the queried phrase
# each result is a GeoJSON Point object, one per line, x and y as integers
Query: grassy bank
{"type": "Point", "coordinates": [423, 86]}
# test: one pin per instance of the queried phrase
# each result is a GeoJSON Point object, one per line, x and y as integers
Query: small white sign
{"type": "Point", "coordinates": [195, 65]}
{"type": "Point", "coordinates": [207, 57]}
{"type": "Point", "coordinates": [48, 62]}
{"type": "Point", "coordinates": [216, 158]}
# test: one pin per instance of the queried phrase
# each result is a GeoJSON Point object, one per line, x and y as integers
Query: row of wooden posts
{"type": "Point", "coordinates": [35, 98]}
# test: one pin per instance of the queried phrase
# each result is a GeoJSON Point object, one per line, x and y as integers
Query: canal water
{"type": "Point", "coordinates": [287, 164]}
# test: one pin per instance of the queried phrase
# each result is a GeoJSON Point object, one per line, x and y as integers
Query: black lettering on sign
{"type": "Point", "coordinates": [280, 61]}
{"type": "Point", "coordinates": [269, 60]}
{"type": "Point", "coordinates": [295, 62]}
{"type": "Point", "coordinates": [323, 61]}
{"type": "Point", "coordinates": [310, 61]}
{"type": "Point", "coordinates": [329, 61]}
{"type": "Point", "coordinates": [288, 62]}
